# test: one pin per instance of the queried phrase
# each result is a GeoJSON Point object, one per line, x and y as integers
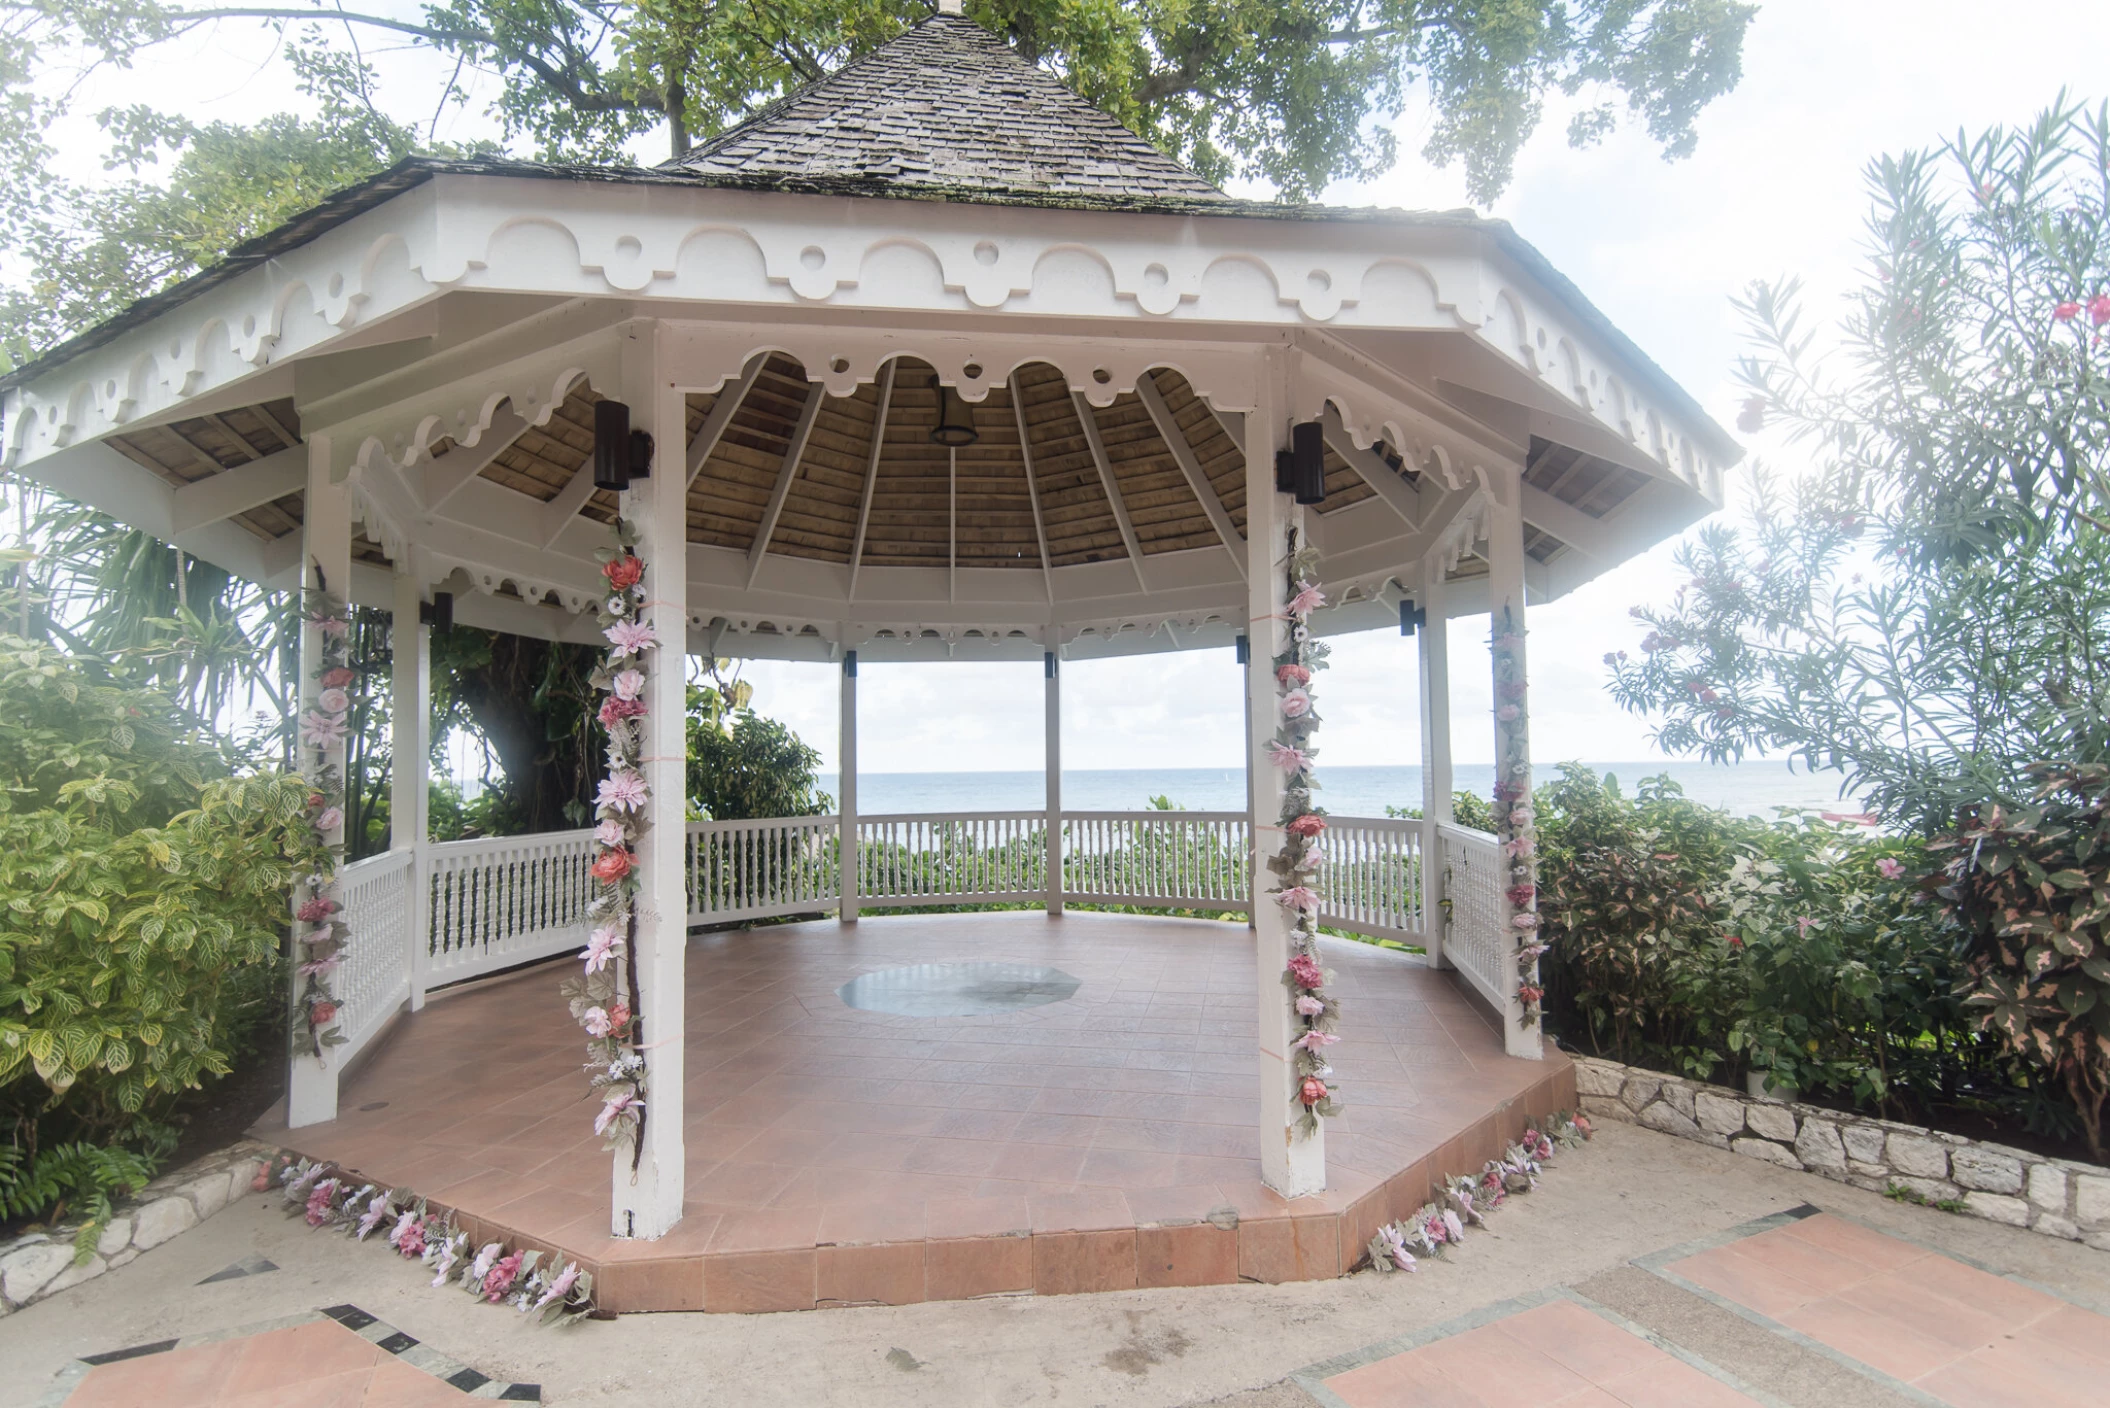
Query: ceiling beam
{"type": "Point", "coordinates": [1090, 423]}
{"type": "Point", "coordinates": [722, 412]}
{"type": "Point", "coordinates": [787, 472]}
{"type": "Point", "coordinates": [1592, 537]}
{"type": "Point", "coordinates": [864, 503]}
{"type": "Point", "coordinates": [1384, 481]}
{"type": "Point", "coordinates": [1191, 466]}
{"type": "Point", "coordinates": [238, 490]}
{"type": "Point", "coordinates": [445, 476]}
{"type": "Point", "coordinates": [1025, 455]}
{"type": "Point", "coordinates": [278, 427]}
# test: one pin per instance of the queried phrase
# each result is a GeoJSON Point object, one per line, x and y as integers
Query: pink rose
{"type": "Point", "coordinates": [1304, 970]}
{"type": "Point", "coordinates": [333, 701]}
{"type": "Point", "coordinates": [596, 1022]}
{"type": "Point", "coordinates": [337, 678]}
{"type": "Point", "coordinates": [625, 571]}
{"type": "Point", "coordinates": [322, 1013]}
{"type": "Point", "coordinates": [2099, 309]}
{"type": "Point", "coordinates": [1312, 1091]}
{"type": "Point", "coordinates": [499, 1279]}
{"type": "Point", "coordinates": [1309, 1006]}
{"type": "Point", "coordinates": [1308, 825]}
{"type": "Point", "coordinates": [1294, 675]}
{"type": "Point", "coordinates": [612, 865]}
{"type": "Point", "coordinates": [611, 833]}
{"type": "Point", "coordinates": [315, 909]}
{"type": "Point", "coordinates": [615, 709]}
{"type": "Point", "coordinates": [629, 684]}
{"type": "Point", "coordinates": [1296, 704]}
{"type": "Point", "coordinates": [329, 819]}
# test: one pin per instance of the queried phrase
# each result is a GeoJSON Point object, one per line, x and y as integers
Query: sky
{"type": "Point", "coordinates": [1775, 189]}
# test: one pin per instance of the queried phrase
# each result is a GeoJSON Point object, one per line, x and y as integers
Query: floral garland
{"type": "Point", "coordinates": [604, 999]}
{"type": "Point", "coordinates": [1297, 864]}
{"type": "Point", "coordinates": [326, 1196]}
{"type": "Point", "coordinates": [321, 932]}
{"type": "Point", "coordinates": [1514, 816]}
{"type": "Point", "coordinates": [1468, 1198]}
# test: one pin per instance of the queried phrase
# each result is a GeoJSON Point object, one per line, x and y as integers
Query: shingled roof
{"type": "Point", "coordinates": [947, 105]}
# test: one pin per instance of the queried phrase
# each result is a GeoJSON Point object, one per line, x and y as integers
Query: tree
{"type": "Point", "coordinates": [742, 765]}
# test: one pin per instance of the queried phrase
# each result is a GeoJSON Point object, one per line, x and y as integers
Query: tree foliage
{"type": "Point", "coordinates": [142, 892]}
{"type": "Point", "coordinates": [743, 765]}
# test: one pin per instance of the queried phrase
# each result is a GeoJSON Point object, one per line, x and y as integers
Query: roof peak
{"type": "Point", "coordinates": [945, 105]}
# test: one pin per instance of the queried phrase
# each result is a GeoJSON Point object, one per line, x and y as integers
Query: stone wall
{"type": "Point", "coordinates": [40, 1264]}
{"type": "Point", "coordinates": [2057, 1197]}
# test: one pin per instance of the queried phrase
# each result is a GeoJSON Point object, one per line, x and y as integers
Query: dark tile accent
{"type": "Point", "coordinates": [468, 1380]}
{"type": "Point", "coordinates": [396, 1343]}
{"type": "Point", "coordinates": [136, 1351]}
{"type": "Point", "coordinates": [349, 1316]}
{"type": "Point", "coordinates": [522, 1393]}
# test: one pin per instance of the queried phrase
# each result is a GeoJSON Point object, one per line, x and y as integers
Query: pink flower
{"type": "Point", "coordinates": [612, 865]}
{"type": "Point", "coordinates": [2099, 309]}
{"type": "Point", "coordinates": [499, 1279]}
{"type": "Point", "coordinates": [1296, 704]}
{"type": "Point", "coordinates": [629, 684]}
{"type": "Point", "coordinates": [595, 1020]}
{"type": "Point", "coordinates": [1309, 1006]}
{"type": "Point", "coordinates": [1509, 713]}
{"type": "Point", "coordinates": [1313, 1041]}
{"type": "Point", "coordinates": [1287, 758]}
{"type": "Point", "coordinates": [624, 792]}
{"type": "Point", "coordinates": [329, 819]}
{"type": "Point", "coordinates": [1308, 825]}
{"type": "Point", "coordinates": [1396, 1248]}
{"type": "Point", "coordinates": [332, 625]}
{"type": "Point", "coordinates": [317, 967]}
{"type": "Point", "coordinates": [611, 833]}
{"type": "Point", "coordinates": [2066, 311]}
{"type": "Point", "coordinates": [615, 710]}
{"type": "Point", "coordinates": [1307, 600]}
{"type": "Point", "coordinates": [1525, 921]}
{"type": "Point", "coordinates": [1527, 993]}
{"type": "Point", "coordinates": [1889, 869]}
{"type": "Point", "coordinates": [1293, 675]}
{"type": "Point", "coordinates": [1298, 897]}
{"type": "Point", "coordinates": [1803, 924]}
{"type": "Point", "coordinates": [618, 1017]}
{"type": "Point", "coordinates": [333, 701]}
{"type": "Point", "coordinates": [375, 1211]}
{"type": "Point", "coordinates": [337, 678]}
{"type": "Point", "coordinates": [1312, 1091]}
{"type": "Point", "coordinates": [628, 638]}
{"type": "Point", "coordinates": [404, 1226]}
{"type": "Point", "coordinates": [321, 1013]}
{"type": "Point", "coordinates": [618, 1104]}
{"type": "Point", "coordinates": [1304, 971]}
{"type": "Point", "coordinates": [601, 946]}
{"type": "Point", "coordinates": [1857, 818]}
{"type": "Point", "coordinates": [320, 730]}
{"type": "Point", "coordinates": [318, 1209]}
{"type": "Point", "coordinates": [559, 1286]}
{"type": "Point", "coordinates": [625, 571]}
{"type": "Point", "coordinates": [315, 909]}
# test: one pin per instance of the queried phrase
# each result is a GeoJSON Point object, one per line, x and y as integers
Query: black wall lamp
{"type": "Point", "coordinates": [620, 454]}
{"type": "Point", "coordinates": [1411, 617]}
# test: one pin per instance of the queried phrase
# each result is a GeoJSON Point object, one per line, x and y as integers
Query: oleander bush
{"type": "Point", "coordinates": [143, 883]}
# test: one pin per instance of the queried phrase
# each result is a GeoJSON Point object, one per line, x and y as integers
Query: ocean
{"type": "Point", "coordinates": [1750, 788]}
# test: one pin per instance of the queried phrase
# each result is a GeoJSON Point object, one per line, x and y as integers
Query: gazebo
{"type": "Point", "coordinates": [930, 360]}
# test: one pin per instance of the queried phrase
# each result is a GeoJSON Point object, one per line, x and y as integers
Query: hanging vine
{"type": "Point", "coordinates": [604, 999]}
{"type": "Point", "coordinates": [1314, 1015]}
{"type": "Point", "coordinates": [320, 930]}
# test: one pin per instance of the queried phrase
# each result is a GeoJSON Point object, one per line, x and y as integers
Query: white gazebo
{"type": "Point", "coordinates": [939, 363]}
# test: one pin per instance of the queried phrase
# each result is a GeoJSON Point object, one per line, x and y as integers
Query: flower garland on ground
{"type": "Point", "coordinates": [1514, 816]}
{"type": "Point", "coordinates": [321, 931]}
{"type": "Point", "coordinates": [326, 1196]}
{"type": "Point", "coordinates": [1296, 865]}
{"type": "Point", "coordinates": [604, 999]}
{"type": "Point", "coordinates": [1468, 1198]}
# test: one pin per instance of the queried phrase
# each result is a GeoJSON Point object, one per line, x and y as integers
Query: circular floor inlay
{"type": "Point", "coordinates": [957, 989]}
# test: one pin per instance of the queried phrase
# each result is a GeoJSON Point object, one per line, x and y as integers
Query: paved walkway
{"type": "Point", "coordinates": [1645, 1271]}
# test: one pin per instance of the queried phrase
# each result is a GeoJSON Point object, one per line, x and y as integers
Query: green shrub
{"type": "Point", "coordinates": [744, 766]}
{"type": "Point", "coordinates": [142, 893]}
{"type": "Point", "coordinates": [2032, 888]}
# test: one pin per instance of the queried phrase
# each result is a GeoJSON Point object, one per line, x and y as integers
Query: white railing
{"type": "Point", "coordinates": [761, 869]}
{"type": "Point", "coordinates": [1474, 940]}
{"type": "Point", "coordinates": [374, 979]}
{"type": "Point", "coordinates": [507, 900]}
{"type": "Point", "coordinates": [974, 857]}
{"type": "Point", "coordinates": [1184, 860]}
{"type": "Point", "coordinates": [1372, 880]}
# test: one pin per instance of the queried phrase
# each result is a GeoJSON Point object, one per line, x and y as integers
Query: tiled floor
{"type": "Point", "coordinates": [1559, 1352]}
{"type": "Point", "coordinates": [1024, 1149]}
{"type": "Point", "coordinates": [1965, 1336]}
{"type": "Point", "coordinates": [317, 1365]}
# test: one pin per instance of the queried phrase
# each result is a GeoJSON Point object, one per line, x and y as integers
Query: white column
{"type": "Point", "coordinates": [648, 1187]}
{"type": "Point", "coordinates": [1051, 667]}
{"type": "Point", "coordinates": [1505, 599]}
{"type": "Point", "coordinates": [1292, 1164]}
{"type": "Point", "coordinates": [326, 562]}
{"type": "Point", "coordinates": [1247, 695]}
{"type": "Point", "coordinates": [846, 749]}
{"type": "Point", "coordinates": [1433, 644]}
{"type": "Point", "coordinates": [410, 767]}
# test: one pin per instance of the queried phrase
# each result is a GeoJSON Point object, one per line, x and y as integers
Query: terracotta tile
{"type": "Point", "coordinates": [1196, 1254]}
{"type": "Point", "coordinates": [862, 1223]}
{"type": "Point", "coordinates": [1823, 1271]}
{"type": "Point", "coordinates": [280, 1359]}
{"type": "Point", "coordinates": [977, 1217]}
{"type": "Point", "coordinates": [1402, 1381]}
{"type": "Point", "coordinates": [1899, 1350]}
{"type": "Point", "coordinates": [1896, 1296]}
{"type": "Point", "coordinates": [1128, 1168]}
{"type": "Point", "coordinates": [1068, 1262]}
{"type": "Point", "coordinates": [395, 1384]}
{"type": "Point", "coordinates": [2015, 1372]}
{"type": "Point", "coordinates": [1852, 1241]}
{"type": "Point", "coordinates": [2071, 1327]}
{"type": "Point", "coordinates": [345, 1390]}
{"type": "Point", "coordinates": [975, 1158]}
{"type": "Point", "coordinates": [1584, 1343]}
{"type": "Point", "coordinates": [664, 1283]}
{"type": "Point", "coordinates": [964, 1267]}
{"type": "Point", "coordinates": [1502, 1372]}
{"type": "Point", "coordinates": [2014, 1305]}
{"type": "Point", "coordinates": [1761, 1288]}
{"type": "Point", "coordinates": [176, 1378]}
{"type": "Point", "coordinates": [1289, 1249]}
{"type": "Point", "coordinates": [1672, 1383]}
{"type": "Point", "coordinates": [786, 1228]}
{"type": "Point", "coordinates": [885, 1275]}
{"type": "Point", "coordinates": [1085, 1210]}
{"type": "Point", "coordinates": [752, 1282]}
{"type": "Point", "coordinates": [1187, 1202]}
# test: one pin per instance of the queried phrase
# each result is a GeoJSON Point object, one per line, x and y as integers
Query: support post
{"type": "Point", "coordinates": [1245, 651]}
{"type": "Point", "coordinates": [326, 562]}
{"type": "Point", "coordinates": [1433, 644]}
{"type": "Point", "coordinates": [410, 768]}
{"type": "Point", "coordinates": [1512, 721]}
{"type": "Point", "coordinates": [649, 1181]}
{"type": "Point", "coordinates": [1051, 667]}
{"type": "Point", "coordinates": [846, 819]}
{"type": "Point", "coordinates": [1291, 1163]}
